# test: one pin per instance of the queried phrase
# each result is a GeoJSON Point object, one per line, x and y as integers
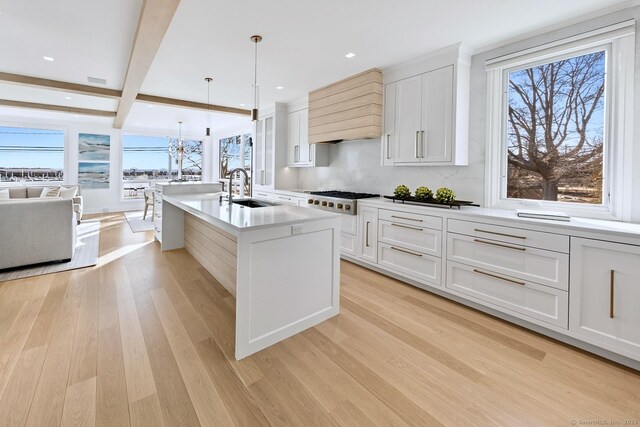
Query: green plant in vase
{"type": "Point", "coordinates": [402, 192]}
{"type": "Point", "coordinates": [423, 193]}
{"type": "Point", "coordinates": [445, 195]}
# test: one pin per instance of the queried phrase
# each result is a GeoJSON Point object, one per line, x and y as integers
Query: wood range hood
{"type": "Point", "coordinates": [347, 110]}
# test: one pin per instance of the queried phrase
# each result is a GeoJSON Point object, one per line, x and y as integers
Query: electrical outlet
{"type": "Point", "coordinates": [297, 229]}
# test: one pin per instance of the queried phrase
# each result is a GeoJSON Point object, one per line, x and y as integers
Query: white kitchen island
{"type": "Point", "coordinates": [282, 263]}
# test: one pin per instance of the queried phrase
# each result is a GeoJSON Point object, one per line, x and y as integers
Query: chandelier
{"type": "Point", "coordinates": [179, 148]}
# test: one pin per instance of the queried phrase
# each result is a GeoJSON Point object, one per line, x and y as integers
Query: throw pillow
{"type": "Point", "coordinates": [68, 193]}
{"type": "Point", "coordinates": [50, 192]}
{"type": "Point", "coordinates": [4, 194]}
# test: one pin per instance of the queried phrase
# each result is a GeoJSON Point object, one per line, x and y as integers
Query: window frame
{"type": "Point", "coordinates": [618, 41]}
{"type": "Point", "coordinates": [66, 170]}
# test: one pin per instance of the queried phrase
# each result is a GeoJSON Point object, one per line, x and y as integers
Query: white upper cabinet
{"type": "Point", "coordinates": [426, 109]}
{"type": "Point", "coordinates": [299, 152]}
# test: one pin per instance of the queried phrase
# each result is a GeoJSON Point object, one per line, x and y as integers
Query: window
{"type": "Point", "coordinates": [28, 154]}
{"type": "Point", "coordinates": [146, 159]}
{"type": "Point", "coordinates": [552, 143]}
{"type": "Point", "coordinates": [230, 158]}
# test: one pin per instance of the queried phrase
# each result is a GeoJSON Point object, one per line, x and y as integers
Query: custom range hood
{"type": "Point", "coordinates": [347, 110]}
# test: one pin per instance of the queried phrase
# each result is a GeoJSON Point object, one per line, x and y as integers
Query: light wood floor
{"type": "Point", "coordinates": [146, 338]}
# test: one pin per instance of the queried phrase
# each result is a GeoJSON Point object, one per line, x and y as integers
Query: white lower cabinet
{"type": "Point", "coordinates": [367, 227]}
{"type": "Point", "coordinates": [509, 294]}
{"type": "Point", "coordinates": [605, 293]}
{"type": "Point", "coordinates": [348, 235]}
{"type": "Point", "coordinates": [410, 263]}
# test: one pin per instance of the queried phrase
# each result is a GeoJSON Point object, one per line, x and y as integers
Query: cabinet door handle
{"type": "Point", "coordinates": [499, 234]}
{"type": "Point", "coordinates": [310, 154]}
{"type": "Point", "coordinates": [388, 147]}
{"type": "Point", "coordinates": [405, 251]}
{"type": "Point", "coordinates": [417, 143]}
{"type": "Point", "coordinates": [422, 144]}
{"type": "Point", "coordinates": [406, 226]}
{"type": "Point", "coordinates": [366, 233]}
{"type": "Point", "coordinates": [408, 219]}
{"type": "Point", "coordinates": [495, 276]}
{"type": "Point", "coordinates": [500, 244]}
{"type": "Point", "coordinates": [612, 285]}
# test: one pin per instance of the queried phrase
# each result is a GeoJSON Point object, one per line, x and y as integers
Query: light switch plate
{"type": "Point", "coordinates": [297, 229]}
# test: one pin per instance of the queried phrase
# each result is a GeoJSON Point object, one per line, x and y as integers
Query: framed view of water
{"type": "Point", "coordinates": [93, 174]}
{"type": "Point", "coordinates": [92, 147]}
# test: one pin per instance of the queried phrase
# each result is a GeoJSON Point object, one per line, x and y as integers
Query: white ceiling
{"type": "Point", "coordinates": [303, 48]}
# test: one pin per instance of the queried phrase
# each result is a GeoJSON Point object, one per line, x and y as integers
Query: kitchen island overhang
{"type": "Point", "coordinates": [286, 276]}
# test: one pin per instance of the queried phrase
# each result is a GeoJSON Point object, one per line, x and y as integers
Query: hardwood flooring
{"type": "Point", "coordinates": [147, 338]}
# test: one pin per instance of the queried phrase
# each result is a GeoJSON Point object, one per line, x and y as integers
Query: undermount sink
{"type": "Point", "coordinates": [253, 203]}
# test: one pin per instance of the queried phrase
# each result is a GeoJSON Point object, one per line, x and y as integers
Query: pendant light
{"type": "Point", "coordinates": [208, 121]}
{"type": "Point", "coordinates": [254, 112]}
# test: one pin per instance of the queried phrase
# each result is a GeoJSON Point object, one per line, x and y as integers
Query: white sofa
{"type": "Point", "coordinates": [33, 191]}
{"type": "Point", "coordinates": [33, 231]}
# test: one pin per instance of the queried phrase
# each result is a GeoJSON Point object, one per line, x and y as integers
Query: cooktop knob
{"type": "Point", "coordinates": [324, 203]}
{"type": "Point", "coordinates": [330, 204]}
{"type": "Point", "coordinates": [339, 206]}
{"type": "Point", "coordinates": [347, 207]}
{"type": "Point", "coordinates": [310, 201]}
{"type": "Point", "coordinates": [316, 202]}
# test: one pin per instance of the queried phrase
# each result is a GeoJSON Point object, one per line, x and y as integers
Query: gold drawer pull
{"type": "Point", "coordinates": [499, 234]}
{"type": "Point", "coordinates": [406, 226]}
{"type": "Point", "coordinates": [612, 284]}
{"type": "Point", "coordinates": [405, 251]}
{"type": "Point", "coordinates": [408, 219]}
{"type": "Point", "coordinates": [495, 276]}
{"type": "Point", "coordinates": [499, 244]}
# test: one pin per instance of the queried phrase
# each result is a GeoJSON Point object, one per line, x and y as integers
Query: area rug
{"type": "Point", "coordinates": [86, 255]}
{"type": "Point", "coordinates": [137, 224]}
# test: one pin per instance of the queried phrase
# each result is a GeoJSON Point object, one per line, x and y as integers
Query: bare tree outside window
{"type": "Point", "coordinates": [555, 130]}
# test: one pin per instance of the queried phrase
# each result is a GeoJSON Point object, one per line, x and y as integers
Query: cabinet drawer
{"type": "Point", "coordinates": [349, 224]}
{"type": "Point", "coordinates": [425, 221]}
{"type": "Point", "coordinates": [531, 264]}
{"type": "Point", "coordinates": [262, 195]}
{"type": "Point", "coordinates": [518, 236]}
{"type": "Point", "coordinates": [413, 237]}
{"type": "Point", "coordinates": [413, 264]}
{"type": "Point", "coordinates": [518, 297]}
{"type": "Point", "coordinates": [348, 244]}
{"type": "Point", "coordinates": [281, 198]}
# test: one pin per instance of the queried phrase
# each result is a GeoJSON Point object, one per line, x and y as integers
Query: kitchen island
{"type": "Point", "coordinates": [282, 263]}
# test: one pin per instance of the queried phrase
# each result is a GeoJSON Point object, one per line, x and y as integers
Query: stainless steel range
{"type": "Point", "coordinates": [337, 201]}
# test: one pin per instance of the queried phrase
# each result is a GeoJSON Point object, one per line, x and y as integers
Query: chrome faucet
{"type": "Point", "coordinates": [246, 181]}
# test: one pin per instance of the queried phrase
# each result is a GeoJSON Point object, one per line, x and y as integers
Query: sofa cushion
{"type": "Point", "coordinates": [68, 193]}
{"type": "Point", "coordinates": [34, 192]}
{"type": "Point", "coordinates": [50, 192]}
{"type": "Point", "coordinates": [18, 192]}
{"type": "Point", "coordinates": [4, 194]}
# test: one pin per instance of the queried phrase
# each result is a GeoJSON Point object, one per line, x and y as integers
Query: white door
{"type": "Point", "coordinates": [605, 293]}
{"type": "Point", "coordinates": [305, 152]}
{"type": "Point", "coordinates": [368, 232]}
{"type": "Point", "coordinates": [388, 136]}
{"type": "Point", "coordinates": [293, 138]}
{"type": "Point", "coordinates": [437, 116]}
{"type": "Point", "coordinates": [408, 120]}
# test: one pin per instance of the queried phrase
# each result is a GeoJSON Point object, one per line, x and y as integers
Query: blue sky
{"type": "Point", "coordinates": [45, 148]}
{"type": "Point", "coordinates": [147, 152]}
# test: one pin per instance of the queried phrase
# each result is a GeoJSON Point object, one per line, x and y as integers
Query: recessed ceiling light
{"type": "Point", "coordinates": [242, 105]}
{"type": "Point", "coordinates": [350, 55]}
{"type": "Point", "coordinates": [48, 58]}
{"type": "Point", "coordinates": [279, 87]}
{"type": "Point", "coordinates": [67, 97]}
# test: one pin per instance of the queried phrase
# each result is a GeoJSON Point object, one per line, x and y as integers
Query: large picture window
{"type": "Point", "coordinates": [28, 154]}
{"type": "Point", "coordinates": [146, 159]}
{"type": "Point", "coordinates": [557, 125]}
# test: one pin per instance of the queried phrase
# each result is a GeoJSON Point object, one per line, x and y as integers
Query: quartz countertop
{"type": "Point", "coordinates": [583, 227]}
{"type": "Point", "coordinates": [237, 218]}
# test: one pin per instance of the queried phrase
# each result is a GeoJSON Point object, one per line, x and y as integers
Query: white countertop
{"type": "Point", "coordinates": [577, 226]}
{"type": "Point", "coordinates": [237, 218]}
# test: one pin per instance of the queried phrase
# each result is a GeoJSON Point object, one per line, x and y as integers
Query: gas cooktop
{"type": "Point", "coordinates": [337, 201]}
{"type": "Point", "coordinates": [344, 194]}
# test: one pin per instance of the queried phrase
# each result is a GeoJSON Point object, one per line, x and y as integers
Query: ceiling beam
{"type": "Point", "coordinates": [61, 86]}
{"type": "Point", "coordinates": [61, 108]}
{"type": "Point", "coordinates": [151, 99]}
{"type": "Point", "coordinates": [155, 17]}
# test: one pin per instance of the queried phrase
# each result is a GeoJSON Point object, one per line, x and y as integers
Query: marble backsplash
{"type": "Point", "coordinates": [355, 166]}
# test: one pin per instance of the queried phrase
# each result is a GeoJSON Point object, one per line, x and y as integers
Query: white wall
{"type": "Point", "coordinates": [356, 166]}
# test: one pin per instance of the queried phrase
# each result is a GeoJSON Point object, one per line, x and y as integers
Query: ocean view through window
{"type": "Point", "coordinates": [145, 160]}
{"type": "Point", "coordinates": [31, 155]}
